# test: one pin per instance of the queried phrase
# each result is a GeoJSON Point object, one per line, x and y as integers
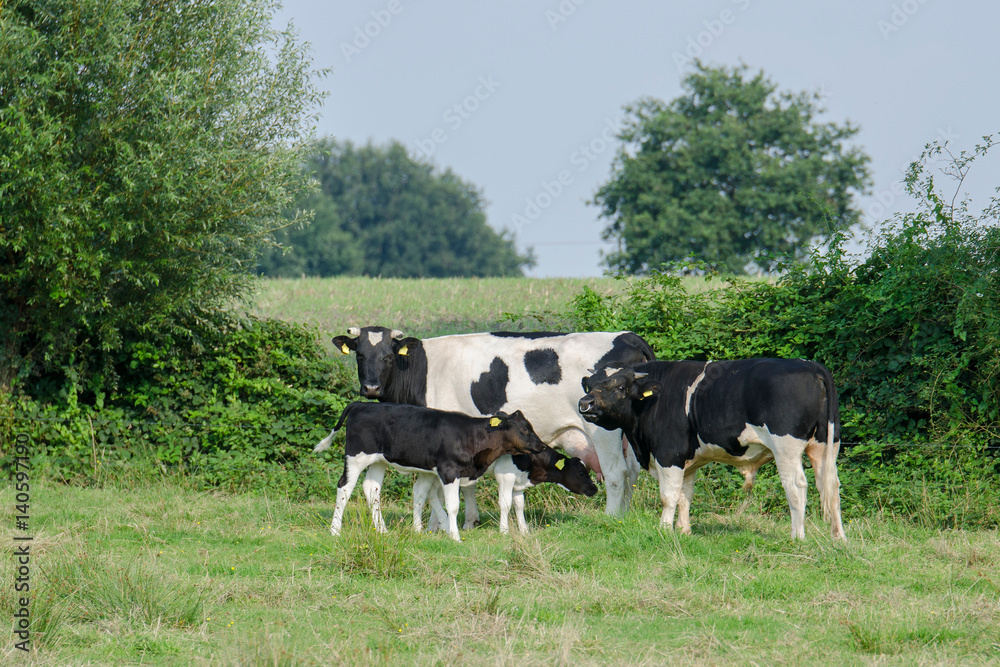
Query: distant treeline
{"type": "Point", "coordinates": [378, 212]}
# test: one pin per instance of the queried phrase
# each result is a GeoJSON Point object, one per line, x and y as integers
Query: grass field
{"type": "Point", "coordinates": [424, 307]}
{"type": "Point", "coordinates": [154, 573]}
{"type": "Point", "coordinates": [146, 569]}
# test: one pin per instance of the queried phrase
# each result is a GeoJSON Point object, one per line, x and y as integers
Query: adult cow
{"type": "Point", "coordinates": [483, 373]}
{"type": "Point", "coordinates": [679, 415]}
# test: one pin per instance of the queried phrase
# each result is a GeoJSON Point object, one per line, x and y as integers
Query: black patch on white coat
{"type": "Point", "coordinates": [489, 392]}
{"type": "Point", "coordinates": [628, 349]}
{"type": "Point", "coordinates": [543, 366]}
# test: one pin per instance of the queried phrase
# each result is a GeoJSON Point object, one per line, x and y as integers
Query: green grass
{"type": "Point", "coordinates": [158, 574]}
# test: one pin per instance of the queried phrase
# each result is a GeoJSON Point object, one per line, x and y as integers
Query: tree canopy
{"type": "Point", "coordinates": [146, 150]}
{"type": "Point", "coordinates": [378, 212]}
{"type": "Point", "coordinates": [732, 173]}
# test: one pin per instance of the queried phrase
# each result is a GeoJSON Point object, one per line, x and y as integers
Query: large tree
{"type": "Point", "coordinates": [732, 173]}
{"type": "Point", "coordinates": [379, 212]}
{"type": "Point", "coordinates": [146, 150]}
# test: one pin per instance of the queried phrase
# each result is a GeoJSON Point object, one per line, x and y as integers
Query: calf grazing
{"type": "Point", "coordinates": [514, 474]}
{"type": "Point", "coordinates": [454, 446]}
{"type": "Point", "coordinates": [679, 415]}
{"type": "Point", "coordinates": [527, 470]}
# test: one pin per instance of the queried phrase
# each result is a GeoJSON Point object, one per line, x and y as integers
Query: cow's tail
{"type": "Point", "coordinates": [830, 482]}
{"type": "Point", "coordinates": [325, 443]}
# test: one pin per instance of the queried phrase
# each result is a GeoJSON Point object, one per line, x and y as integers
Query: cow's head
{"type": "Point", "coordinates": [611, 395]}
{"type": "Point", "coordinates": [517, 433]}
{"type": "Point", "coordinates": [377, 350]}
{"type": "Point", "coordinates": [571, 474]}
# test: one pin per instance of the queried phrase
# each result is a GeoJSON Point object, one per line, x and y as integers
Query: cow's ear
{"type": "Point", "coordinates": [585, 383]}
{"type": "Point", "coordinates": [345, 343]}
{"type": "Point", "coordinates": [645, 389]}
{"type": "Point", "coordinates": [497, 420]}
{"type": "Point", "coordinates": [404, 346]}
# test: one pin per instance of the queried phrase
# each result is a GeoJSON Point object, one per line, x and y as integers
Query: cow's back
{"type": "Point", "coordinates": [788, 396]}
{"type": "Point", "coordinates": [539, 374]}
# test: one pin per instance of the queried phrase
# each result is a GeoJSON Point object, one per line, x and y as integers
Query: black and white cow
{"type": "Point", "coordinates": [453, 446]}
{"type": "Point", "coordinates": [679, 415]}
{"type": "Point", "coordinates": [514, 475]}
{"type": "Point", "coordinates": [479, 374]}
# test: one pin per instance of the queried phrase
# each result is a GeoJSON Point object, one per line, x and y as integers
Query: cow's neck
{"type": "Point", "coordinates": [408, 381]}
{"type": "Point", "coordinates": [485, 456]}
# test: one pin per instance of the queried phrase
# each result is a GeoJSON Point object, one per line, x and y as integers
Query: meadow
{"type": "Point", "coordinates": [145, 567]}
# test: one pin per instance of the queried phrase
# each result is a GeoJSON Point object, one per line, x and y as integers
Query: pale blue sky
{"type": "Point", "coordinates": [520, 97]}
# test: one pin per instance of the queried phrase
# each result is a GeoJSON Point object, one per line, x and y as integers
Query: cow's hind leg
{"type": "Point", "coordinates": [518, 500]}
{"type": "Point", "coordinates": [345, 487]}
{"type": "Point", "coordinates": [787, 452]}
{"type": "Point", "coordinates": [471, 506]}
{"type": "Point", "coordinates": [671, 481]}
{"type": "Point", "coordinates": [815, 452]}
{"type": "Point", "coordinates": [373, 493]}
{"type": "Point", "coordinates": [421, 487]}
{"type": "Point", "coordinates": [439, 518]}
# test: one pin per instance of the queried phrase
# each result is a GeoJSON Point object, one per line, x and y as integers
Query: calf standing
{"type": "Point", "coordinates": [452, 445]}
{"type": "Point", "coordinates": [514, 474]}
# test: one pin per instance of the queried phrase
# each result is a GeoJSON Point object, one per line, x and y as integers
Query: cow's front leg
{"type": "Point", "coordinates": [451, 504]}
{"type": "Point", "coordinates": [608, 445]}
{"type": "Point", "coordinates": [671, 481]}
{"type": "Point", "coordinates": [684, 501]}
{"type": "Point", "coordinates": [373, 493]}
{"type": "Point", "coordinates": [632, 469]}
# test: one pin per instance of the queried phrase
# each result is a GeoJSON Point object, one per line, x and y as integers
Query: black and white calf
{"type": "Point", "coordinates": [514, 475]}
{"type": "Point", "coordinates": [538, 373]}
{"type": "Point", "coordinates": [679, 415]}
{"type": "Point", "coordinates": [453, 446]}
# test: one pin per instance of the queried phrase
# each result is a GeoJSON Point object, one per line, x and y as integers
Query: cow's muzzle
{"type": "Point", "coordinates": [585, 406]}
{"type": "Point", "coordinates": [371, 391]}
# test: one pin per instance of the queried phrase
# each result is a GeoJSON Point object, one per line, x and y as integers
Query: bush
{"type": "Point", "coordinates": [240, 406]}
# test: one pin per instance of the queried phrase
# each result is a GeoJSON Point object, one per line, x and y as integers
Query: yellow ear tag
{"type": "Point", "coordinates": [402, 351]}
{"type": "Point", "coordinates": [647, 394]}
{"type": "Point", "coordinates": [560, 463]}
{"type": "Point", "coordinates": [496, 421]}
{"type": "Point", "coordinates": [345, 349]}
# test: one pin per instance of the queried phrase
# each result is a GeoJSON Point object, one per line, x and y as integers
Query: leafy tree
{"type": "Point", "coordinates": [380, 213]}
{"type": "Point", "coordinates": [732, 173]}
{"type": "Point", "coordinates": [146, 150]}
